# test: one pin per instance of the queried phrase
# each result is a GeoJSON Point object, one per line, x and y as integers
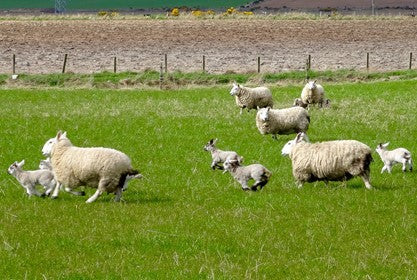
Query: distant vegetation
{"type": "Point", "coordinates": [121, 4]}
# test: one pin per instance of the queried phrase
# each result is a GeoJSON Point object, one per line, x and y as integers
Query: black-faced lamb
{"type": "Point", "coordinates": [251, 98]}
{"type": "Point", "coordinates": [328, 161]}
{"type": "Point", "coordinates": [390, 158]}
{"type": "Point", "coordinates": [218, 156]}
{"type": "Point", "coordinates": [243, 174]}
{"type": "Point", "coordinates": [29, 179]}
{"type": "Point", "coordinates": [102, 168]}
{"type": "Point", "coordinates": [313, 93]}
{"type": "Point", "coordinates": [282, 121]}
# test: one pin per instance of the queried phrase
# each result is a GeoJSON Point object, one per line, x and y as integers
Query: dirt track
{"type": "Point", "coordinates": [229, 45]}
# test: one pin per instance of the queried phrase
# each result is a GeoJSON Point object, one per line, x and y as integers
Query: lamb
{"type": "Point", "coordinates": [313, 93]}
{"type": "Point", "coordinates": [389, 158]}
{"type": "Point", "coordinates": [328, 161]}
{"type": "Point", "coordinates": [300, 103]}
{"type": "Point", "coordinates": [29, 179]}
{"type": "Point", "coordinates": [220, 156]}
{"type": "Point", "coordinates": [251, 98]}
{"type": "Point", "coordinates": [106, 169]}
{"type": "Point", "coordinates": [282, 121]}
{"type": "Point", "coordinates": [243, 174]}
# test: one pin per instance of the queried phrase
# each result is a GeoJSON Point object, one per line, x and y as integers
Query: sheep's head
{"type": "Point", "coordinates": [235, 89]}
{"type": "Point", "coordinates": [381, 147]}
{"type": "Point", "coordinates": [298, 102]}
{"type": "Point", "coordinates": [286, 150]}
{"type": "Point", "coordinates": [45, 164]}
{"type": "Point", "coordinates": [210, 145]}
{"type": "Point", "coordinates": [311, 85]}
{"type": "Point", "coordinates": [230, 165]}
{"type": "Point", "coordinates": [264, 113]}
{"type": "Point", "coordinates": [15, 166]}
{"type": "Point", "coordinates": [49, 145]}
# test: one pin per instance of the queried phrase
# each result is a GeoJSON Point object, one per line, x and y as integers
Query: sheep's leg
{"type": "Point", "coordinates": [365, 178]}
{"type": "Point", "coordinates": [118, 194]}
{"type": "Point", "coordinates": [389, 168]}
{"type": "Point", "coordinates": [274, 136]}
{"type": "Point", "coordinates": [410, 164]}
{"type": "Point", "coordinates": [30, 190]}
{"type": "Point", "coordinates": [56, 190]}
{"type": "Point", "coordinates": [259, 184]}
{"type": "Point", "coordinates": [80, 193]}
{"type": "Point", "coordinates": [241, 110]}
{"type": "Point", "coordinates": [383, 169]}
{"type": "Point", "coordinates": [245, 186]}
{"type": "Point", "coordinates": [94, 196]}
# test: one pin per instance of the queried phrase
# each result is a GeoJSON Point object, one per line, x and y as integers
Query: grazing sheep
{"type": "Point", "coordinates": [243, 174]}
{"type": "Point", "coordinates": [251, 98]}
{"type": "Point", "coordinates": [313, 93]}
{"type": "Point", "coordinates": [220, 156]}
{"type": "Point", "coordinates": [328, 161]}
{"type": "Point", "coordinates": [102, 168]}
{"type": "Point", "coordinates": [29, 179]}
{"type": "Point", "coordinates": [282, 121]}
{"type": "Point", "coordinates": [390, 158]}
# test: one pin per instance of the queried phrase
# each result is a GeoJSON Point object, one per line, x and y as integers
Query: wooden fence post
{"type": "Point", "coordinates": [410, 65]}
{"type": "Point", "coordinates": [65, 63]}
{"type": "Point", "coordinates": [204, 63]}
{"type": "Point", "coordinates": [14, 64]}
{"type": "Point", "coordinates": [161, 76]}
{"type": "Point", "coordinates": [309, 62]}
{"type": "Point", "coordinates": [166, 63]}
{"type": "Point", "coordinates": [114, 64]}
{"type": "Point", "coordinates": [259, 64]}
{"type": "Point", "coordinates": [367, 61]}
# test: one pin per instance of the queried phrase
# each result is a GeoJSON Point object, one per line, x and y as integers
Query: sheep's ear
{"type": "Point", "coordinates": [299, 137]}
{"type": "Point", "coordinates": [215, 141]}
{"type": "Point", "coordinates": [257, 108]}
{"type": "Point", "coordinates": [64, 134]}
{"type": "Point", "coordinates": [20, 164]}
{"type": "Point", "coordinates": [211, 141]}
{"type": "Point", "coordinates": [315, 81]}
{"type": "Point", "coordinates": [385, 145]}
{"type": "Point", "coordinates": [58, 135]}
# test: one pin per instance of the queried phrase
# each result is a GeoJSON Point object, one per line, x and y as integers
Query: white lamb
{"type": "Point", "coordinates": [390, 158]}
{"type": "Point", "coordinates": [313, 93]}
{"type": "Point", "coordinates": [282, 121]}
{"type": "Point", "coordinates": [243, 174]}
{"type": "Point", "coordinates": [102, 168]}
{"type": "Point", "coordinates": [218, 156]}
{"type": "Point", "coordinates": [251, 98]}
{"type": "Point", "coordinates": [29, 179]}
{"type": "Point", "coordinates": [328, 161]}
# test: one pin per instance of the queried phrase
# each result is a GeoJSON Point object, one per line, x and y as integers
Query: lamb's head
{"type": "Point", "coordinates": [235, 89]}
{"type": "Point", "coordinates": [286, 150]}
{"type": "Point", "coordinates": [15, 167]}
{"type": "Point", "coordinates": [210, 146]}
{"type": "Point", "coordinates": [381, 147]}
{"type": "Point", "coordinates": [264, 113]}
{"type": "Point", "coordinates": [45, 164]}
{"type": "Point", "coordinates": [230, 165]}
{"type": "Point", "coordinates": [311, 85]}
{"type": "Point", "coordinates": [298, 102]}
{"type": "Point", "coordinates": [49, 145]}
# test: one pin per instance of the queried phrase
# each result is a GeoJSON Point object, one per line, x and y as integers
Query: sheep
{"type": "Point", "coordinates": [106, 169]}
{"type": "Point", "coordinates": [251, 98]}
{"type": "Point", "coordinates": [300, 103]}
{"type": "Point", "coordinates": [328, 161]}
{"type": "Point", "coordinates": [243, 174]}
{"type": "Point", "coordinates": [313, 93]}
{"type": "Point", "coordinates": [389, 158]}
{"type": "Point", "coordinates": [282, 121]}
{"type": "Point", "coordinates": [220, 156]}
{"type": "Point", "coordinates": [29, 179]}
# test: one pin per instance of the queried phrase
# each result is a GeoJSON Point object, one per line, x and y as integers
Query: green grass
{"type": "Point", "coordinates": [185, 221]}
{"type": "Point", "coordinates": [121, 4]}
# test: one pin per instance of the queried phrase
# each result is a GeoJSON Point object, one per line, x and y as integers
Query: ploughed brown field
{"type": "Point", "coordinates": [228, 44]}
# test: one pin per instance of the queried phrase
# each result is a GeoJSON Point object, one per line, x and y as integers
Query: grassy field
{"type": "Point", "coordinates": [121, 4]}
{"type": "Point", "coordinates": [185, 221]}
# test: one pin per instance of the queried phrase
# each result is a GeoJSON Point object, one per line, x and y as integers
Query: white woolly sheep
{"type": "Point", "coordinates": [390, 158]}
{"type": "Point", "coordinates": [251, 98]}
{"type": "Point", "coordinates": [218, 156]}
{"type": "Point", "coordinates": [29, 179]}
{"type": "Point", "coordinates": [282, 121]}
{"type": "Point", "coordinates": [328, 161]}
{"type": "Point", "coordinates": [243, 174]}
{"type": "Point", "coordinates": [313, 93]}
{"type": "Point", "coordinates": [102, 168]}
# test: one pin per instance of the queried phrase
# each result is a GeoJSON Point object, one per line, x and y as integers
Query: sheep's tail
{"type": "Point", "coordinates": [267, 174]}
{"type": "Point", "coordinates": [128, 175]}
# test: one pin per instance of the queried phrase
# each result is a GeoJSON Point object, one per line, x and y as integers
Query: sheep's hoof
{"type": "Point", "coordinates": [82, 193]}
{"type": "Point", "coordinates": [43, 195]}
{"type": "Point", "coordinates": [54, 197]}
{"type": "Point", "coordinates": [245, 189]}
{"type": "Point", "coordinates": [254, 189]}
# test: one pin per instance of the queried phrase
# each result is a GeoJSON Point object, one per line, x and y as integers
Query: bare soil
{"type": "Point", "coordinates": [229, 45]}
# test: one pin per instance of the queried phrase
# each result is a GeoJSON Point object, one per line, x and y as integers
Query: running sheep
{"type": "Point", "coordinates": [106, 169]}
{"type": "Point", "coordinates": [251, 98]}
{"type": "Point", "coordinates": [29, 179]}
{"type": "Point", "coordinates": [390, 158]}
{"type": "Point", "coordinates": [243, 174]}
{"type": "Point", "coordinates": [218, 156]}
{"type": "Point", "coordinates": [313, 93]}
{"type": "Point", "coordinates": [282, 121]}
{"type": "Point", "coordinates": [338, 160]}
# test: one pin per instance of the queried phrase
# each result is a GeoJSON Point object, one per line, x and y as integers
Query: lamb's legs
{"type": "Point", "coordinates": [261, 184]}
{"type": "Point", "coordinates": [118, 194]}
{"type": "Point", "coordinates": [410, 164]}
{"type": "Point", "coordinates": [384, 168]}
{"type": "Point", "coordinates": [56, 190]}
{"type": "Point", "coordinates": [245, 186]}
{"type": "Point", "coordinates": [94, 196]}
{"type": "Point", "coordinates": [365, 178]}
{"type": "Point", "coordinates": [30, 190]}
